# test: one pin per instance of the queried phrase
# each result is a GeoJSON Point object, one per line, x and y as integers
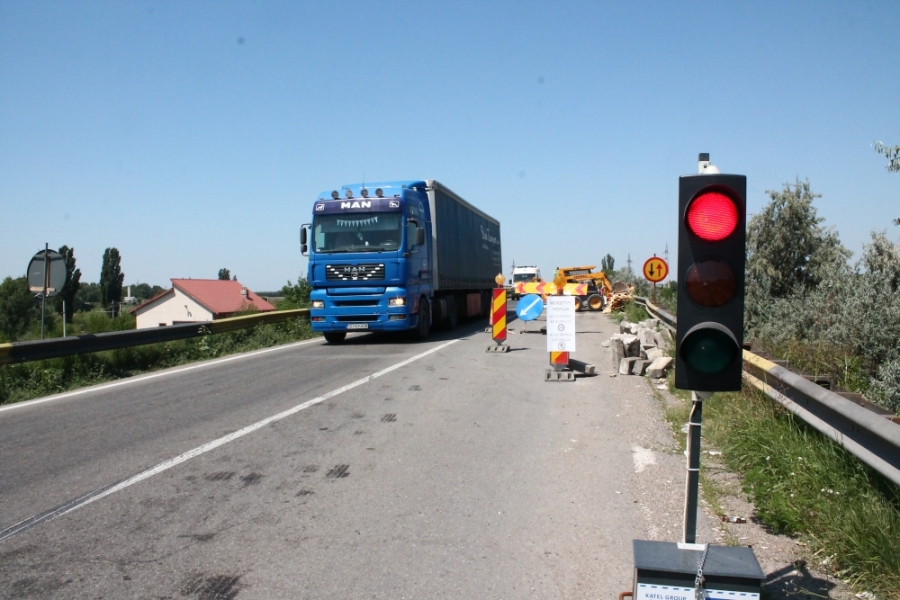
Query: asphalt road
{"type": "Point", "coordinates": [390, 470]}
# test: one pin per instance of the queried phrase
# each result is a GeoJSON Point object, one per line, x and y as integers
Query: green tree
{"type": "Point", "coordinates": [111, 278]}
{"type": "Point", "coordinates": [145, 291]}
{"type": "Point", "coordinates": [295, 296]}
{"type": "Point", "coordinates": [892, 154]}
{"type": "Point", "coordinates": [88, 296]}
{"type": "Point", "coordinates": [224, 274]}
{"type": "Point", "coordinates": [18, 309]}
{"type": "Point", "coordinates": [789, 251]}
{"type": "Point", "coordinates": [73, 283]}
{"type": "Point", "coordinates": [608, 265]}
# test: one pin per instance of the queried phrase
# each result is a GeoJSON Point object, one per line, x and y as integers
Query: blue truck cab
{"type": "Point", "coordinates": [375, 261]}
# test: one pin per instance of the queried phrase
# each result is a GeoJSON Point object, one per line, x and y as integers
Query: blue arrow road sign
{"type": "Point", "coordinates": [529, 307]}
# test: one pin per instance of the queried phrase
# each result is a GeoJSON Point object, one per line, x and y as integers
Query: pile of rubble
{"type": "Point", "coordinates": [641, 349]}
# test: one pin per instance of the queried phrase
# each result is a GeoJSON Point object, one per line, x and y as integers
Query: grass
{"type": "Point", "coordinates": [41, 378]}
{"type": "Point", "coordinates": [803, 484]}
{"type": "Point", "coordinates": [633, 312]}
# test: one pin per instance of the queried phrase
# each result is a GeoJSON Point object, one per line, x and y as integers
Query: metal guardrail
{"type": "Point", "coordinates": [20, 352]}
{"type": "Point", "coordinates": [869, 436]}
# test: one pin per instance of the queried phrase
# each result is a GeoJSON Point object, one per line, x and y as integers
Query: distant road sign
{"type": "Point", "coordinates": [529, 307]}
{"type": "Point", "coordinates": [655, 269]}
{"type": "Point", "coordinates": [47, 270]}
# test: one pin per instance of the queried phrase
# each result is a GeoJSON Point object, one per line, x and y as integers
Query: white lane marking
{"type": "Point", "coordinates": [166, 465]}
{"type": "Point", "coordinates": [642, 457]}
{"type": "Point", "coordinates": [139, 378]}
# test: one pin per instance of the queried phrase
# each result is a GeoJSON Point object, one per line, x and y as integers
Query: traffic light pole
{"type": "Point", "coordinates": [692, 488]}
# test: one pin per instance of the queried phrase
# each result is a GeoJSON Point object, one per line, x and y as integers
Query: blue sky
{"type": "Point", "coordinates": [196, 135]}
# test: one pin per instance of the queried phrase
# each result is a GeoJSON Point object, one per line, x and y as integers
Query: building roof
{"type": "Point", "coordinates": [222, 296]}
{"type": "Point", "coordinates": [149, 301]}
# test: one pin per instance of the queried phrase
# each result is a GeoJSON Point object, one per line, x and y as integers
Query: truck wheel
{"type": "Point", "coordinates": [577, 303]}
{"type": "Point", "coordinates": [424, 324]}
{"type": "Point", "coordinates": [595, 302]}
{"type": "Point", "coordinates": [335, 337]}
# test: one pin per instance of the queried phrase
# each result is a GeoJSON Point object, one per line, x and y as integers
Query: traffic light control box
{"type": "Point", "coordinates": [664, 571]}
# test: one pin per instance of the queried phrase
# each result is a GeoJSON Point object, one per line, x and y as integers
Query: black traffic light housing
{"type": "Point", "coordinates": [711, 257]}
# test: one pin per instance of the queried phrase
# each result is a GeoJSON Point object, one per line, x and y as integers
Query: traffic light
{"type": "Point", "coordinates": [711, 255]}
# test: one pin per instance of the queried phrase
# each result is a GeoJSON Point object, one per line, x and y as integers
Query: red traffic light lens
{"type": "Point", "coordinates": [712, 216]}
{"type": "Point", "coordinates": [710, 283]}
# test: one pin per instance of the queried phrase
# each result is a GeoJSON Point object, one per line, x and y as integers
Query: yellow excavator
{"type": "Point", "coordinates": [599, 288]}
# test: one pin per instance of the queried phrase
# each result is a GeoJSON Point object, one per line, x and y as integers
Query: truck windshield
{"type": "Point", "coordinates": [361, 232]}
{"type": "Point", "coordinates": [517, 277]}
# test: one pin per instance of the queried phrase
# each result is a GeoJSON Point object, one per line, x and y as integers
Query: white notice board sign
{"type": "Point", "coordinates": [560, 324]}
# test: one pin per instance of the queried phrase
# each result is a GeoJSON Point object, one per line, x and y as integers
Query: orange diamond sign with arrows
{"type": "Point", "coordinates": [655, 269]}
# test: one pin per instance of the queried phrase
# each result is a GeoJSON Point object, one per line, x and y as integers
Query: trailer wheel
{"type": "Point", "coordinates": [424, 324]}
{"type": "Point", "coordinates": [335, 337]}
{"type": "Point", "coordinates": [595, 302]}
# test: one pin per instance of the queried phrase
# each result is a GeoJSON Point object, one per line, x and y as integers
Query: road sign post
{"type": "Point", "coordinates": [47, 275]}
{"type": "Point", "coordinates": [655, 270]}
{"type": "Point", "coordinates": [498, 316]}
{"type": "Point", "coordinates": [529, 307]}
{"type": "Point", "coordinates": [560, 331]}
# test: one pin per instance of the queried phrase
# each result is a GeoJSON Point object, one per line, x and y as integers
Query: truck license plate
{"type": "Point", "coordinates": [358, 326]}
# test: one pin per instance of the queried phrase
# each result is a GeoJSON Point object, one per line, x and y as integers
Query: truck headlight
{"type": "Point", "coordinates": [318, 304]}
{"type": "Point", "coordinates": [396, 301]}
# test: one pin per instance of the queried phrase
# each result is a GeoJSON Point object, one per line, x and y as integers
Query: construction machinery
{"type": "Point", "coordinates": [599, 289]}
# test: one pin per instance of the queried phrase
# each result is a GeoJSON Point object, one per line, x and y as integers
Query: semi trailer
{"type": "Point", "coordinates": [398, 256]}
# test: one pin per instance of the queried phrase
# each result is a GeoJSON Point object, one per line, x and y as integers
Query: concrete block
{"type": "Point", "coordinates": [632, 345]}
{"type": "Point", "coordinates": [554, 375]}
{"type": "Point", "coordinates": [639, 367]}
{"type": "Point", "coordinates": [497, 348]}
{"type": "Point", "coordinates": [647, 337]}
{"type": "Point", "coordinates": [618, 353]}
{"type": "Point", "coordinates": [654, 353]}
{"type": "Point", "coordinates": [657, 368]}
{"type": "Point", "coordinates": [582, 367]}
{"type": "Point", "coordinates": [626, 365]}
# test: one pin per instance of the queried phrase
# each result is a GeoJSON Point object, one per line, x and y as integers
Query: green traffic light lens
{"type": "Point", "coordinates": [708, 350]}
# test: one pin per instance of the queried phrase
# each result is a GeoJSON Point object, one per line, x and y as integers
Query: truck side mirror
{"type": "Point", "coordinates": [304, 246]}
{"type": "Point", "coordinates": [420, 236]}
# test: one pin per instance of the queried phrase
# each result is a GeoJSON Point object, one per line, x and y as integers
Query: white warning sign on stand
{"type": "Point", "coordinates": [560, 324]}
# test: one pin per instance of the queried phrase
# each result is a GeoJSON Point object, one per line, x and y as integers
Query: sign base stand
{"type": "Point", "coordinates": [554, 375]}
{"type": "Point", "coordinates": [669, 570]}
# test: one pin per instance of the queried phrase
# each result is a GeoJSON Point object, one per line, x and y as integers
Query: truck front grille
{"type": "Point", "coordinates": [370, 272]}
{"type": "Point", "coordinates": [358, 318]}
{"type": "Point", "coordinates": [355, 302]}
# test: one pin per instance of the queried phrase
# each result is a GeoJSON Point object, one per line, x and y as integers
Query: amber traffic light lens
{"type": "Point", "coordinates": [712, 216]}
{"type": "Point", "coordinates": [710, 283]}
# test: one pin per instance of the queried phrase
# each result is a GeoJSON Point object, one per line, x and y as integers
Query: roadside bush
{"type": "Point", "coordinates": [806, 304]}
{"type": "Point", "coordinates": [295, 296]}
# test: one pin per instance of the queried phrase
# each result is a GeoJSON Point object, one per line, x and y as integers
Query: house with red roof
{"type": "Point", "coordinates": [197, 300]}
